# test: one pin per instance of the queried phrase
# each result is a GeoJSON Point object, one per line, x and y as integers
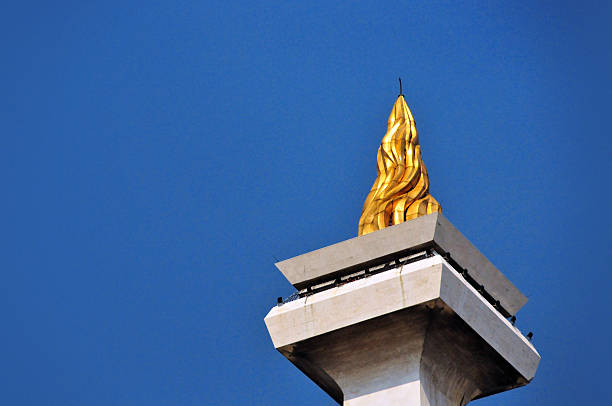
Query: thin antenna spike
{"type": "Point", "coordinates": [401, 92]}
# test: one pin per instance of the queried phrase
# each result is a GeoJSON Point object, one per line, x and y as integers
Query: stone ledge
{"type": "Point", "coordinates": [426, 302]}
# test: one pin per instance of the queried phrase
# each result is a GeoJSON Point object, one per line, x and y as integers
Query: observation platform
{"type": "Point", "coordinates": [412, 314]}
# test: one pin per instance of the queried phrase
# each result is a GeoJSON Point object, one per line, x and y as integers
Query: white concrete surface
{"type": "Point", "coordinates": [416, 335]}
{"type": "Point", "coordinates": [433, 229]}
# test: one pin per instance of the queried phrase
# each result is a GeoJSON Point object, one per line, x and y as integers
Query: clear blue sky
{"type": "Point", "coordinates": [157, 156]}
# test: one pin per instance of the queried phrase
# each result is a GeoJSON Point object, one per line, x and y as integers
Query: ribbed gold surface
{"type": "Point", "coordinates": [401, 190]}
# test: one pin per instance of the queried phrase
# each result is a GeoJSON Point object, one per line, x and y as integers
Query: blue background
{"type": "Point", "coordinates": [159, 156]}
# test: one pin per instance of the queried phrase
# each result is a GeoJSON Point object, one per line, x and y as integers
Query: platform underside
{"type": "Point", "coordinates": [431, 335]}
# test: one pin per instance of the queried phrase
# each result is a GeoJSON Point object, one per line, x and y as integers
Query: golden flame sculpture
{"type": "Point", "coordinates": [401, 190]}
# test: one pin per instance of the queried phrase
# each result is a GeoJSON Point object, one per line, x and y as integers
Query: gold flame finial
{"type": "Point", "coordinates": [401, 190]}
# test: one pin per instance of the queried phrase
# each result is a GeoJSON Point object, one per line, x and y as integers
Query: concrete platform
{"type": "Point", "coordinates": [432, 231]}
{"type": "Point", "coordinates": [415, 335]}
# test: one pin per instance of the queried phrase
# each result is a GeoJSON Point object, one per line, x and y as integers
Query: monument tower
{"type": "Point", "coordinates": [409, 312]}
